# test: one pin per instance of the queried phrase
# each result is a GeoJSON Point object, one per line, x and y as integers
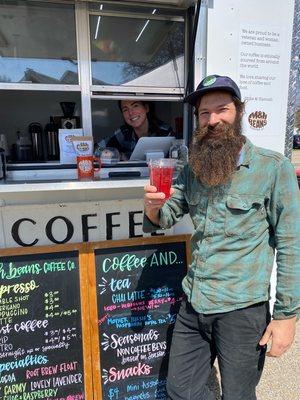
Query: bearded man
{"type": "Point", "coordinates": [244, 203]}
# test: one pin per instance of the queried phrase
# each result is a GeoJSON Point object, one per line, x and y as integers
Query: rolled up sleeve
{"type": "Point", "coordinates": [285, 221]}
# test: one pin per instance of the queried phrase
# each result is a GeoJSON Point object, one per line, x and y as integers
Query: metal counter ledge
{"type": "Point", "coordinates": [56, 183]}
{"type": "Point", "coordinates": [69, 184]}
{"type": "Point", "coordinates": [66, 191]}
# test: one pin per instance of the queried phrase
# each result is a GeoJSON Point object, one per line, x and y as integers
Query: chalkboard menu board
{"type": "Point", "coordinates": [138, 297]}
{"type": "Point", "coordinates": [40, 327]}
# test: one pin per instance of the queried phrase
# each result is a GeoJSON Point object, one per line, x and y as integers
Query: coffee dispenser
{"type": "Point", "coordinates": [4, 145]}
{"type": "Point", "coordinates": [2, 165]}
{"type": "Point", "coordinates": [52, 145]}
{"type": "Point", "coordinates": [23, 147]}
{"type": "Point", "coordinates": [35, 130]}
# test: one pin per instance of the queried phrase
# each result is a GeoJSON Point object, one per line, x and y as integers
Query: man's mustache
{"type": "Point", "coordinates": [211, 130]}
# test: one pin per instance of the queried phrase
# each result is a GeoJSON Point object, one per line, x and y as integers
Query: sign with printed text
{"type": "Point", "coordinates": [40, 327]}
{"type": "Point", "coordinates": [89, 321]}
{"type": "Point", "coordinates": [254, 48]}
{"type": "Point", "coordinates": [45, 224]}
{"type": "Point", "coordinates": [139, 293]}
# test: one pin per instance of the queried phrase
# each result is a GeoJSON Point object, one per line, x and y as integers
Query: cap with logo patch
{"type": "Point", "coordinates": [210, 83]}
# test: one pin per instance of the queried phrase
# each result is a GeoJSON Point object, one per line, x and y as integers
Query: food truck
{"type": "Point", "coordinates": [64, 66]}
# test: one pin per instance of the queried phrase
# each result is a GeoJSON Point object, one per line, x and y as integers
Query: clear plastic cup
{"type": "Point", "coordinates": [161, 174]}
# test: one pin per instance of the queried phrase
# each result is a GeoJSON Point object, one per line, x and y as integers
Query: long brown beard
{"type": "Point", "coordinates": [214, 152]}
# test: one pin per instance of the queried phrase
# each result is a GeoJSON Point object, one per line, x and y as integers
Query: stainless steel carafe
{"type": "Point", "coordinates": [36, 132]}
{"type": "Point", "coordinates": [2, 165]}
{"type": "Point", "coordinates": [23, 147]}
{"type": "Point", "coordinates": [51, 135]}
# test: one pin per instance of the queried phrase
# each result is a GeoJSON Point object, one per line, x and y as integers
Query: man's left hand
{"type": "Point", "coordinates": [282, 333]}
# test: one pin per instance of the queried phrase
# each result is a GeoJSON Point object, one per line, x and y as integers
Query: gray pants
{"type": "Point", "coordinates": [232, 337]}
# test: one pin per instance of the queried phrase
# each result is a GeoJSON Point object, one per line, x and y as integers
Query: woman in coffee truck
{"type": "Point", "coordinates": [139, 120]}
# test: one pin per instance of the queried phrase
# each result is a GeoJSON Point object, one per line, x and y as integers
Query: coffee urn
{"type": "Point", "coordinates": [35, 130]}
{"type": "Point", "coordinates": [2, 165]}
{"type": "Point", "coordinates": [23, 147]}
{"type": "Point", "coordinates": [51, 135]}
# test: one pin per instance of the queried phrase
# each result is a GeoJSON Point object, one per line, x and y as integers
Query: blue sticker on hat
{"type": "Point", "coordinates": [209, 80]}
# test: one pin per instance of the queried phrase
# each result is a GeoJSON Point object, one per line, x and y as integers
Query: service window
{"type": "Point", "coordinates": [25, 108]}
{"type": "Point", "coordinates": [136, 47]}
{"type": "Point", "coordinates": [107, 117]}
{"type": "Point", "coordinates": [37, 43]}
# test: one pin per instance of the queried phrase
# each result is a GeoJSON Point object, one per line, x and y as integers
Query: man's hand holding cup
{"type": "Point", "coordinates": [153, 202]}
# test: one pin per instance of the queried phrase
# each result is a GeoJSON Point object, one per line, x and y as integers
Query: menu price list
{"type": "Point", "coordinates": [40, 327]}
{"type": "Point", "coordinates": [138, 294]}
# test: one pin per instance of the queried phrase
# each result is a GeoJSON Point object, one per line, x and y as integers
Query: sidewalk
{"type": "Point", "coordinates": [281, 376]}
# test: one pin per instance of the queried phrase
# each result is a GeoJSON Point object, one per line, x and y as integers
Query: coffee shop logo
{"type": "Point", "coordinates": [258, 120]}
{"type": "Point", "coordinates": [85, 166]}
{"type": "Point", "coordinates": [69, 138]}
{"type": "Point", "coordinates": [82, 146]}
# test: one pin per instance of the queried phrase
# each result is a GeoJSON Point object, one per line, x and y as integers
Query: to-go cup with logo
{"type": "Point", "coordinates": [161, 174]}
{"type": "Point", "coordinates": [85, 167]}
{"type": "Point", "coordinates": [85, 158]}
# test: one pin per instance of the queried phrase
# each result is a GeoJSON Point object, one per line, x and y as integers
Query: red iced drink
{"type": "Point", "coordinates": [161, 175]}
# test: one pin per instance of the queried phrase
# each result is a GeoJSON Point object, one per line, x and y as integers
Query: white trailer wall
{"type": "Point", "coordinates": [251, 41]}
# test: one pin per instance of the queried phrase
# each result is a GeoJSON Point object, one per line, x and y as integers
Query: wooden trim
{"type": "Point", "coordinates": [56, 248]}
{"type": "Point", "coordinates": [91, 246]}
{"type": "Point", "coordinates": [94, 326]}
{"type": "Point", "coordinates": [84, 260]}
{"type": "Point", "coordinates": [141, 241]}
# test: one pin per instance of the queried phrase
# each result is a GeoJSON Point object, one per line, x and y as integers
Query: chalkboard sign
{"type": "Point", "coordinates": [40, 327]}
{"type": "Point", "coordinates": [138, 297]}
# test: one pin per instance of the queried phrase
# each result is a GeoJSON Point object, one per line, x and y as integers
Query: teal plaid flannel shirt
{"type": "Point", "coordinates": [237, 229]}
